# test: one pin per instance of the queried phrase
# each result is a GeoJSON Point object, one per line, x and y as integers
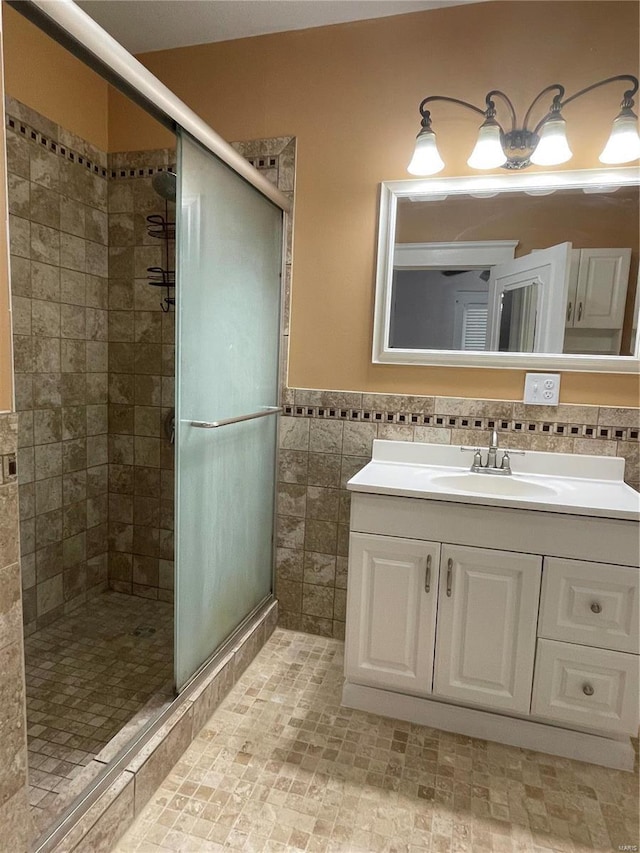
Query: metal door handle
{"type": "Point", "coordinates": [263, 413]}
{"type": "Point", "coordinates": [569, 307]}
{"type": "Point", "coordinates": [427, 575]}
{"type": "Point", "coordinates": [449, 573]}
{"type": "Point", "coordinates": [579, 312]}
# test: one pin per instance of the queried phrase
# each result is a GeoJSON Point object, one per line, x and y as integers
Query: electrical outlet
{"type": "Point", "coordinates": [542, 389]}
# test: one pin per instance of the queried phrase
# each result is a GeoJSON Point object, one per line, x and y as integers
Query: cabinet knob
{"type": "Point", "coordinates": [596, 608]}
{"type": "Point", "coordinates": [587, 689]}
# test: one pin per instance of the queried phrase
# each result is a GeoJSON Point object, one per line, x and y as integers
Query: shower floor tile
{"type": "Point", "coordinates": [281, 766]}
{"type": "Point", "coordinates": [87, 675]}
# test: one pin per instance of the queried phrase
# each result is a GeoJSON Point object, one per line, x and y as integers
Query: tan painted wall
{"type": "Point", "coordinates": [6, 380]}
{"type": "Point", "coordinates": [40, 73]}
{"type": "Point", "coordinates": [349, 93]}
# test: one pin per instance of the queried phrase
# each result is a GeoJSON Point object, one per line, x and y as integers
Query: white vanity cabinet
{"type": "Point", "coordinates": [598, 288]}
{"type": "Point", "coordinates": [487, 607]}
{"type": "Point", "coordinates": [596, 298]}
{"type": "Point", "coordinates": [506, 618]}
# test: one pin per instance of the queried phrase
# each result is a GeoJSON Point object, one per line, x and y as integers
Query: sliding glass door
{"type": "Point", "coordinates": [228, 318]}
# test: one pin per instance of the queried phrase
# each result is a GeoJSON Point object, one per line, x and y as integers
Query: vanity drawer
{"type": "Point", "coordinates": [595, 604]}
{"type": "Point", "coordinates": [594, 688]}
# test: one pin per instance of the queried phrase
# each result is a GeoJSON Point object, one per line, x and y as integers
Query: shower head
{"type": "Point", "coordinates": [164, 183]}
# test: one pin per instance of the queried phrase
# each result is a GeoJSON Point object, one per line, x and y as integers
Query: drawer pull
{"type": "Point", "coordinates": [596, 608]}
{"type": "Point", "coordinates": [427, 575]}
{"type": "Point", "coordinates": [449, 572]}
{"type": "Point", "coordinates": [587, 689]}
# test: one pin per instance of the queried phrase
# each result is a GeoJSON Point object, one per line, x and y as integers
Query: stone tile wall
{"type": "Point", "coordinates": [141, 382]}
{"type": "Point", "coordinates": [327, 436]}
{"type": "Point", "coordinates": [58, 241]}
{"type": "Point", "coordinates": [14, 808]}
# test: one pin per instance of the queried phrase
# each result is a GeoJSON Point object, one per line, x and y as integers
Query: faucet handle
{"type": "Point", "coordinates": [477, 457]}
{"type": "Point", "coordinates": [514, 452]}
{"type": "Point", "coordinates": [505, 465]}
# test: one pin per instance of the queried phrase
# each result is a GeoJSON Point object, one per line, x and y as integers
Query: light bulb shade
{"type": "Point", "coordinates": [624, 143]}
{"type": "Point", "coordinates": [553, 148]}
{"type": "Point", "coordinates": [488, 152]}
{"type": "Point", "coordinates": [426, 159]}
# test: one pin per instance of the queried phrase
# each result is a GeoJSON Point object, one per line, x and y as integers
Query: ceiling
{"type": "Point", "coordinates": [146, 25]}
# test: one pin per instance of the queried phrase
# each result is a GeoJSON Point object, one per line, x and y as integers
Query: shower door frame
{"type": "Point", "coordinates": [71, 27]}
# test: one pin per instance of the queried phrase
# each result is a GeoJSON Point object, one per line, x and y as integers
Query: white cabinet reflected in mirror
{"type": "Point", "coordinates": [518, 271]}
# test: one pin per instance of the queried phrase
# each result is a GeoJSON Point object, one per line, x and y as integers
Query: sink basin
{"type": "Point", "coordinates": [493, 484]}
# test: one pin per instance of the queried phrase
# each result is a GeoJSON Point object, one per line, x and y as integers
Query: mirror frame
{"type": "Point", "coordinates": [391, 191]}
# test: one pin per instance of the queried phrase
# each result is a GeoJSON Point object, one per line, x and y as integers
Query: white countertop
{"type": "Point", "coordinates": [558, 482]}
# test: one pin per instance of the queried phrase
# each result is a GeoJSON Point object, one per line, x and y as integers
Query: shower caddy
{"type": "Point", "coordinates": [161, 228]}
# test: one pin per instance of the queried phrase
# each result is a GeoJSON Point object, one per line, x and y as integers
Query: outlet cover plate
{"type": "Point", "coordinates": [542, 389]}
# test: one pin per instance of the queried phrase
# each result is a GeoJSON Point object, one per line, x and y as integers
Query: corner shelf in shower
{"type": "Point", "coordinates": [161, 228]}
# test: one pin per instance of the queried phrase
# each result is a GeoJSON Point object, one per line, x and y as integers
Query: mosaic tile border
{"type": "Point", "coordinates": [17, 125]}
{"type": "Point", "coordinates": [140, 172]}
{"type": "Point", "coordinates": [263, 162]}
{"type": "Point", "coordinates": [73, 156]}
{"type": "Point", "coordinates": [518, 426]}
{"type": "Point", "coordinates": [63, 151]}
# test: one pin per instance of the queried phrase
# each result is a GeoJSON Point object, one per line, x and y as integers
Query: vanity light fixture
{"type": "Point", "coordinates": [544, 144]}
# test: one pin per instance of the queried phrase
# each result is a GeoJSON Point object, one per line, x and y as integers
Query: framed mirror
{"type": "Point", "coordinates": [528, 271]}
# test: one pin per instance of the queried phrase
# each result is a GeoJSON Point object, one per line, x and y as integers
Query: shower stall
{"type": "Point", "coordinates": [146, 340]}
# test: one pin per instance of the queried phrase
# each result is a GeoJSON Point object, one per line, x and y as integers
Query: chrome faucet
{"type": "Point", "coordinates": [493, 450]}
{"type": "Point", "coordinates": [491, 465]}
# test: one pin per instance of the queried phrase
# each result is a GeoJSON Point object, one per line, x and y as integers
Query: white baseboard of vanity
{"type": "Point", "coordinates": [595, 749]}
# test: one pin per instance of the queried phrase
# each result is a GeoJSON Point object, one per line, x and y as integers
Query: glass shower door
{"type": "Point", "coordinates": [228, 325]}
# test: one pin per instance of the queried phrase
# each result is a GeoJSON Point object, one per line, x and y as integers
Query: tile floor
{"type": "Point", "coordinates": [87, 675]}
{"type": "Point", "coordinates": [281, 766]}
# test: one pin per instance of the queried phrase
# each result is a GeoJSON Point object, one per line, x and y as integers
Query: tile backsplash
{"type": "Point", "coordinates": [327, 436]}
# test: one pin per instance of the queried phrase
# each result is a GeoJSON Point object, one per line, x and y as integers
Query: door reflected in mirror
{"type": "Point", "coordinates": [518, 318]}
{"type": "Point", "coordinates": [537, 269]}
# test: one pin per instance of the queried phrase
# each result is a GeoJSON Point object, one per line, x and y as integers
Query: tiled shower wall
{"type": "Point", "coordinates": [93, 355]}
{"type": "Point", "coordinates": [141, 383]}
{"type": "Point", "coordinates": [58, 239]}
{"type": "Point", "coordinates": [327, 436]}
{"type": "Point", "coordinates": [14, 808]}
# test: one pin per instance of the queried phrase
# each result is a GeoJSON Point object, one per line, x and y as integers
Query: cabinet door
{"type": "Point", "coordinates": [487, 616]}
{"type": "Point", "coordinates": [391, 612]}
{"type": "Point", "coordinates": [572, 290]}
{"type": "Point", "coordinates": [603, 277]}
